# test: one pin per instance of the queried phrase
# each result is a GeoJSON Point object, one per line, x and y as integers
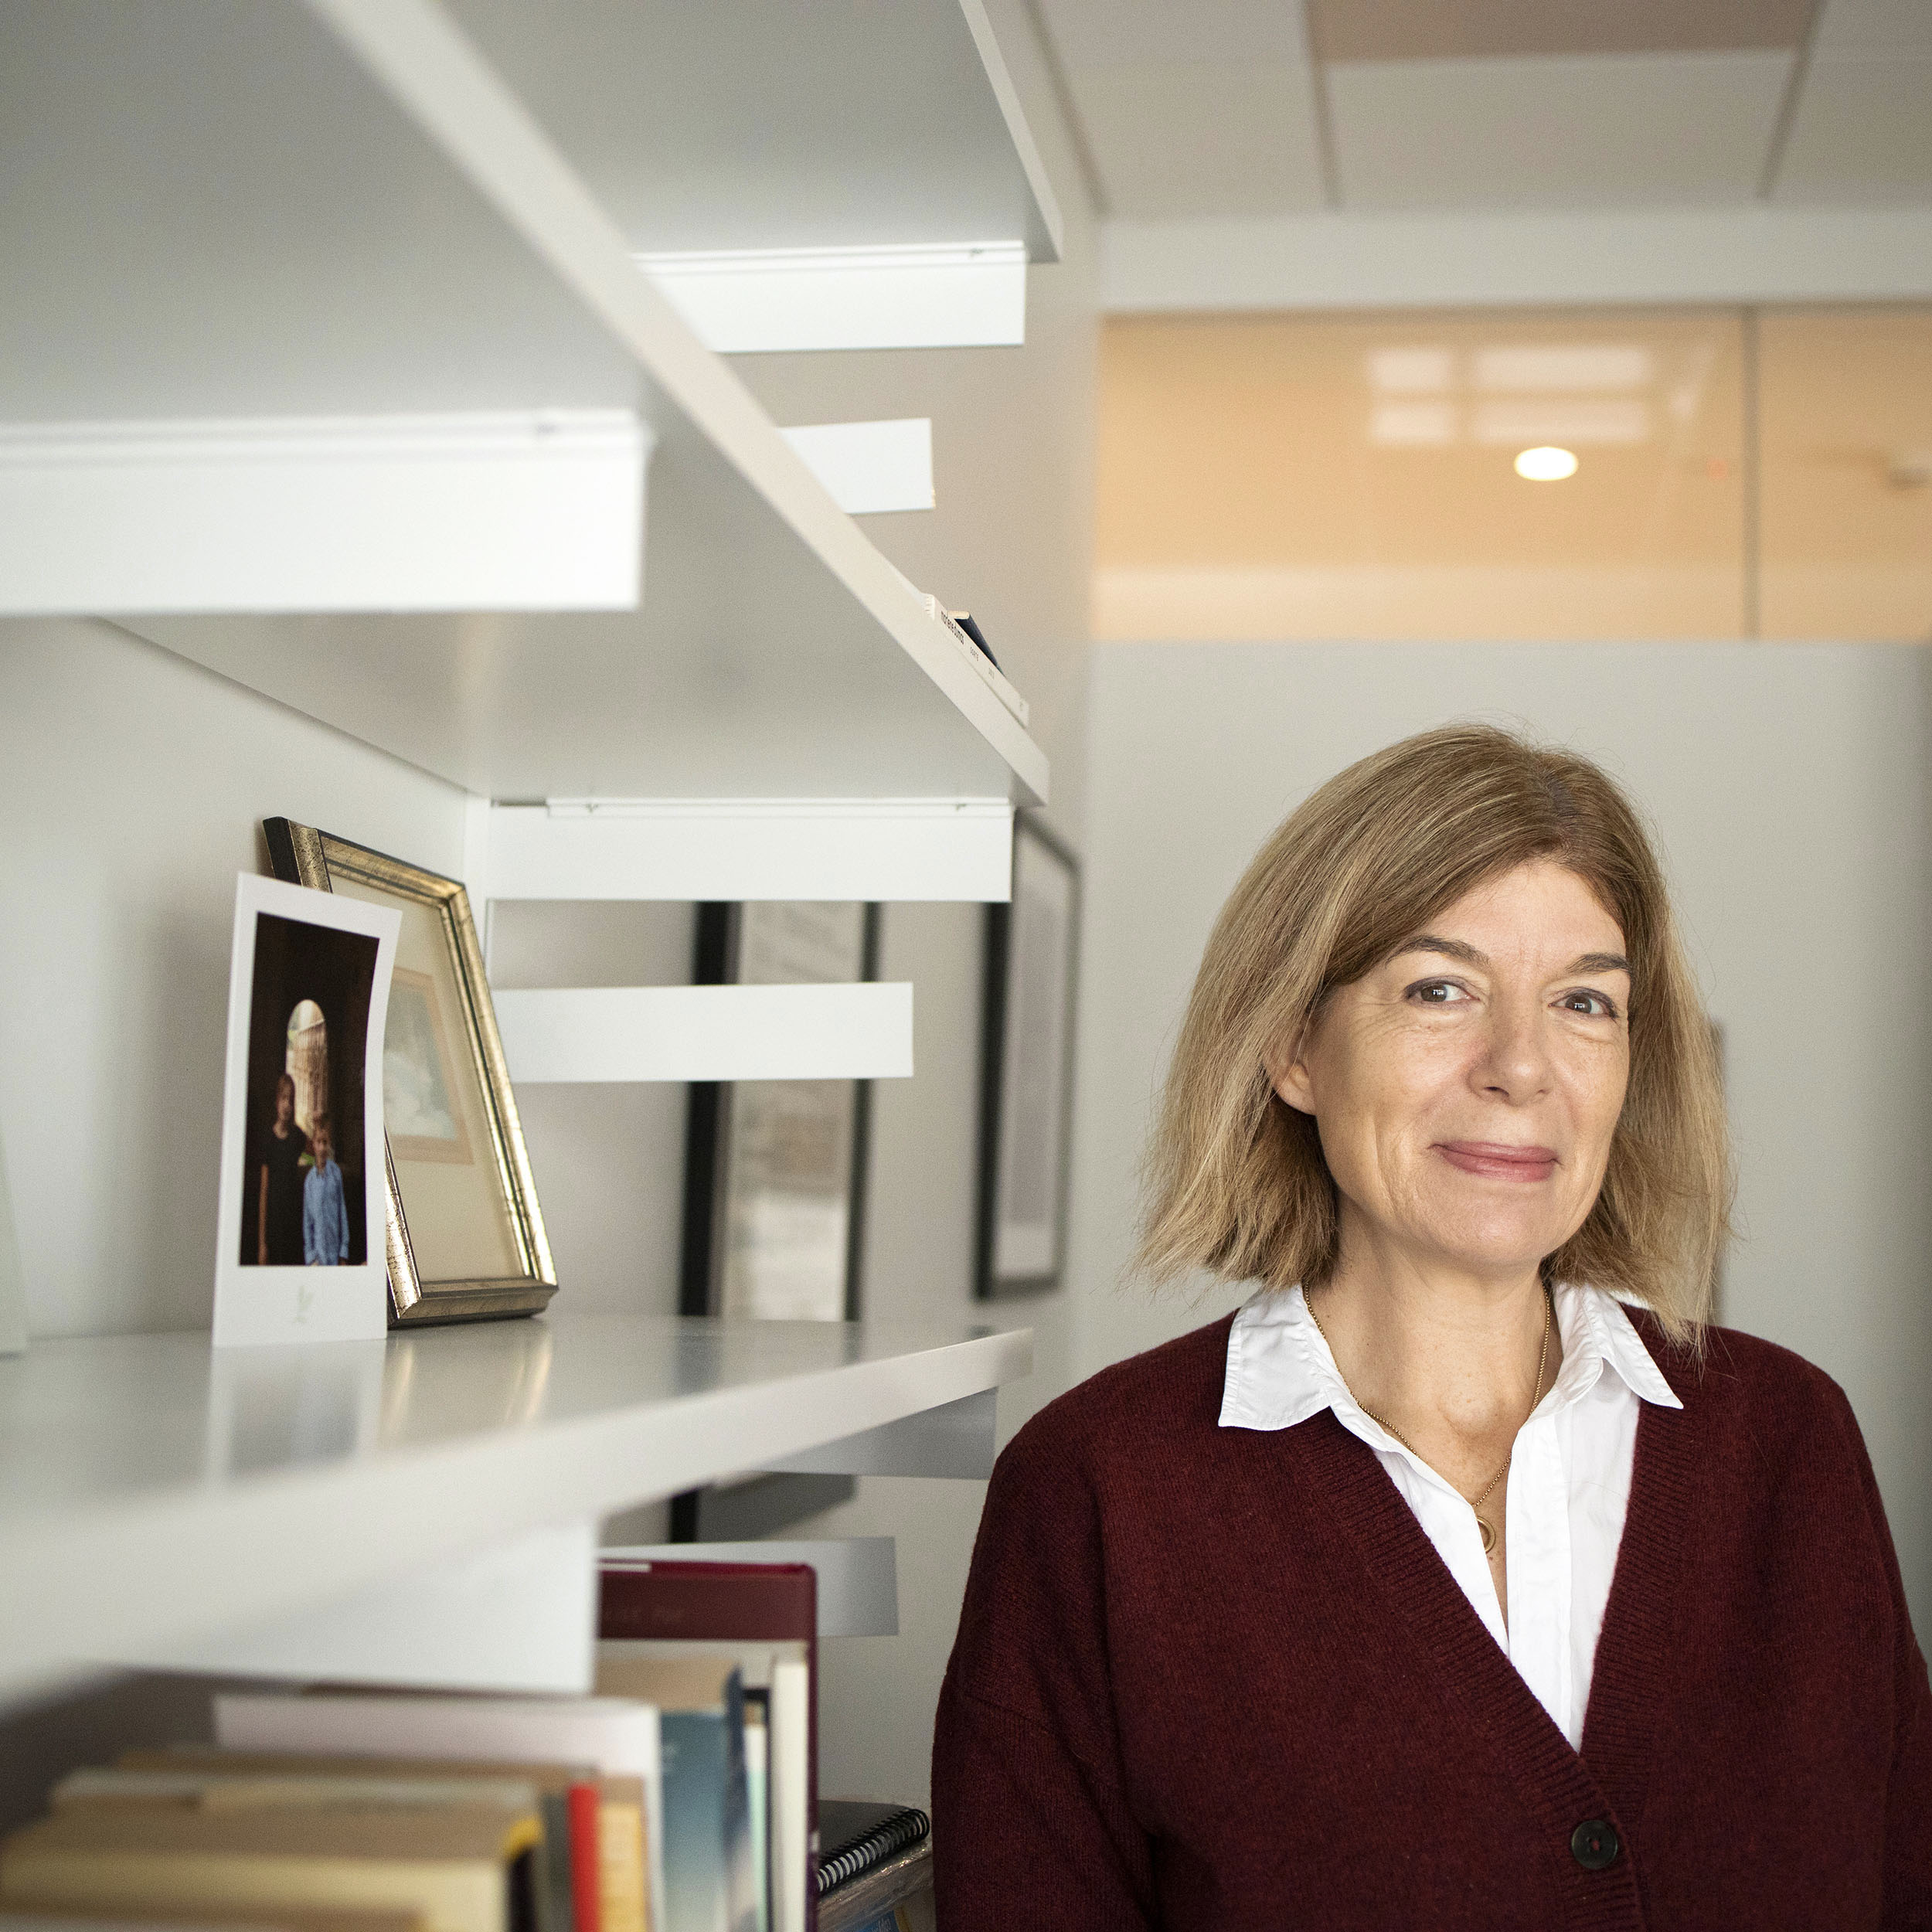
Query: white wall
{"type": "Point", "coordinates": [1789, 786]}
{"type": "Point", "coordinates": [132, 787]}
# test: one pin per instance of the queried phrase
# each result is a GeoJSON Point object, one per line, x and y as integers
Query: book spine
{"type": "Point", "coordinates": [586, 1863]}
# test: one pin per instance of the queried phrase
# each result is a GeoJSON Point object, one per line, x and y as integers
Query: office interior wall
{"type": "Point", "coordinates": [132, 787]}
{"type": "Point", "coordinates": [1788, 785]}
{"type": "Point", "coordinates": [132, 784]}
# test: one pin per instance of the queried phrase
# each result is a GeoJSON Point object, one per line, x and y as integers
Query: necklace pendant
{"type": "Point", "coordinates": [1488, 1536]}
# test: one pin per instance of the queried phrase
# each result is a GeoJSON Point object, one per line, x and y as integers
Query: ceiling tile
{"type": "Point", "coordinates": [1108, 33]}
{"type": "Point", "coordinates": [1551, 131]}
{"type": "Point", "coordinates": [1874, 26]}
{"type": "Point", "coordinates": [1177, 140]}
{"type": "Point", "coordinates": [1436, 29]}
{"type": "Point", "coordinates": [1862, 132]}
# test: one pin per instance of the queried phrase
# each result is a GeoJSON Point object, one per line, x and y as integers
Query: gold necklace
{"type": "Point", "coordinates": [1488, 1528]}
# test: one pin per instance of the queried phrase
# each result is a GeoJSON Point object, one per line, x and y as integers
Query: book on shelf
{"type": "Point", "coordinates": [679, 1797]}
{"type": "Point", "coordinates": [204, 1918]}
{"type": "Point", "coordinates": [963, 630]}
{"type": "Point", "coordinates": [972, 646]}
{"type": "Point", "coordinates": [591, 1876]}
{"type": "Point", "coordinates": [613, 1739]}
{"type": "Point", "coordinates": [680, 1631]}
{"type": "Point", "coordinates": [467, 1867]}
{"type": "Point", "coordinates": [855, 1838]}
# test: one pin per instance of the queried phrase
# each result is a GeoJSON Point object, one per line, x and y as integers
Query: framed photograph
{"type": "Point", "coordinates": [774, 1170]}
{"type": "Point", "coordinates": [463, 1235]}
{"type": "Point", "coordinates": [775, 1183]}
{"type": "Point", "coordinates": [300, 1216]}
{"type": "Point", "coordinates": [1026, 1069]}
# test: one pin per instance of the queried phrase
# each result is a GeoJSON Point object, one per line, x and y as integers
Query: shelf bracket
{"type": "Point", "coordinates": [955, 1439]}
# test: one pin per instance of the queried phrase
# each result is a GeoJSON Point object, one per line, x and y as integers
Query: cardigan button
{"type": "Point", "coordinates": [1595, 1844]}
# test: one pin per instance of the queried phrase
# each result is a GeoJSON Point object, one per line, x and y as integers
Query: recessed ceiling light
{"type": "Point", "coordinates": [1546, 463]}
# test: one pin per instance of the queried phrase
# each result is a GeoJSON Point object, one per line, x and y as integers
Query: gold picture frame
{"type": "Point", "coordinates": [464, 1233]}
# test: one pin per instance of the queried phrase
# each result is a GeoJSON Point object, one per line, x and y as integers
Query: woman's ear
{"type": "Point", "coordinates": [1287, 1070]}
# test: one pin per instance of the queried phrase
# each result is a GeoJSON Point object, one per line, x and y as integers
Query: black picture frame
{"type": "Point", "coordinates": [711, 1272]}
{"type": "Point", "coordinates": [1029, 1006]}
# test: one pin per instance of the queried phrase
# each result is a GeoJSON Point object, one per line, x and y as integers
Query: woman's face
{"type": "Point", "coordinates": [284, 1107]}
{"type": "Point", "coordinates": [1466, 1090]}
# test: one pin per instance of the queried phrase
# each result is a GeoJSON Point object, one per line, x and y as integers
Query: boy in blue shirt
{"type": "Point", "coordinates": [325, 1213]}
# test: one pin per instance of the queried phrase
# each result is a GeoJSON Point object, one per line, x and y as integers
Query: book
{"type": "Point", "coordinates": [855, 1837]}
{"type": "Point", "coordinates": [711, 1862]}
{"type": "Point", "coordinates": [566, 1836]}
{"type": "Point", "coordinates": [208, 1780]}
{"type": "Point", "coordinates": [974, 652]}
{"type": "Point", "coordinates": [468, 1867]}
{"type": "Point", "coordinates": [766, 1617]}
{"type": "Point", "coordinates": [617, 1740]}
{"type": "Point", "coordinates": [758, 1794]}
{"type": "Point", "coordinates": [280, 1918]}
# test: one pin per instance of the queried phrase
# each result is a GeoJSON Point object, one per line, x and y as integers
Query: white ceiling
{"type": "Point", "coordinates": [1203, 108]}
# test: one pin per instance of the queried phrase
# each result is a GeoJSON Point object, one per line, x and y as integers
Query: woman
{"type": "Point", "coordinates": [1463, 1578]}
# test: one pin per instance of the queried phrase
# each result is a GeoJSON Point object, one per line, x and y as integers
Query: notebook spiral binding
{"type": "Point", "coordinates": [887, 1839]}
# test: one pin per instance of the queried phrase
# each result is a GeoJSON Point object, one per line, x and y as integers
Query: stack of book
{"type": "Point", "coordinates": [678, 1797]}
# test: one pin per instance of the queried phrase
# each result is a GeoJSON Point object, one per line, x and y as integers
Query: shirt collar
{"type": "Point", "coordinates": [1279, 1372]}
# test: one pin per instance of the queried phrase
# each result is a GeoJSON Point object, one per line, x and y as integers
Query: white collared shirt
{"type": "Point", "coordinates": [1569, 1484]}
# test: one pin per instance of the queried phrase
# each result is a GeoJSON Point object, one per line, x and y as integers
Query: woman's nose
{"type": "Point", "coordinates": [1515, 1063]}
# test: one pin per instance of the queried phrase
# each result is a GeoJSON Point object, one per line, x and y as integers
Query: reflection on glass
{"type": "Point", "coordinates": [1299, 477]}
{"type": "Point", "coordinates": [1847, 461]}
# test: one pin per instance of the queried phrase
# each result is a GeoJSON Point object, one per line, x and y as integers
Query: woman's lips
{"type": "Point", "coordinates": [1499, 1161]}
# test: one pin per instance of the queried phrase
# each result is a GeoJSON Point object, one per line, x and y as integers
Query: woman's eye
{"type": "Point", "coordinates": [1437, 992]}
{"type": "Point", "coordinates": [1593, 1005]}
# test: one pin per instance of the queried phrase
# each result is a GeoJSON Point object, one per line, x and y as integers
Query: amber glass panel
{"type": "Point", "coordinates": [1283, 477]}
{"type": "Point", "coordinates": [1846, 536]}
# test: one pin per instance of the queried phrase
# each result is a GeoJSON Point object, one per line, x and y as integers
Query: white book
{"type": "Point", "coordinates": [792, 1852]}
{"type": "Point", "coordinates": [778, 1667]}
{"type": "Point", "coordinates": [617, 1735]}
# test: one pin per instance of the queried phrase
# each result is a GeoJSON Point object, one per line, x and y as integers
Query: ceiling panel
{"type": "Point", "coordinates": [1170, 141]}
{"type": "Point", "coordinates": [1424, 29]}
{"type": "Point", "coordinates": [1847, 444]}
{"type": "Point", "coordinates": [1108, 33]}
{"type": "Point", "coordinates": [1863, 131]}
{"type": "Point", "coordinates": [1307, 477]}
{"type": "Point", "coordinates": [1630, 130]}
{"type": "Point", "coordinates": [1874, 26]}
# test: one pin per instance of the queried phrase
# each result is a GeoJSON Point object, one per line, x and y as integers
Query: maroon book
{"type": "Point", "coordinates": [724, 1602]}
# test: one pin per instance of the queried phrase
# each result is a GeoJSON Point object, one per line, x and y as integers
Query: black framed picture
{"type": "Point", "coordinates": [1026, 1069]}
{"type": "Point", "coordinates": [774, 1181]}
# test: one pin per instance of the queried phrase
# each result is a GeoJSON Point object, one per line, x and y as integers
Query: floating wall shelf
{"type": "Point", "coordinates": [154, 1492]}
{"type": "Point", "coordinates": [228, 212]}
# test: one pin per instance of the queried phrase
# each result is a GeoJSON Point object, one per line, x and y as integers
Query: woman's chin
{"type": "Point", "coordinates": [1497, 1252]}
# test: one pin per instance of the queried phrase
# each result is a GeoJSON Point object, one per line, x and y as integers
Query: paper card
{"type": "Point", "coordinates": [302, 1256]}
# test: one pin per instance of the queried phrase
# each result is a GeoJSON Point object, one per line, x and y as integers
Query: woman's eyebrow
{"type": "Point", "coordinates": [1449, 949]}
{"type": "Point", "coordinates": [1601, 963]}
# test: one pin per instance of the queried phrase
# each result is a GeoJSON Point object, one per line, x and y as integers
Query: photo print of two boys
{"type": "Point", "coordinates": [303, 1186]}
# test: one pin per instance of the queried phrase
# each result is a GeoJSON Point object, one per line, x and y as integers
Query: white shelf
{"type": "Point", "coordinates": [238, 210]}
{"type": "Point", "coordinates": [155, 1492]}
{"type": "Point", "coordinates": [859, 1032]}
{"type": "Point", "coordinates": [740, 124]}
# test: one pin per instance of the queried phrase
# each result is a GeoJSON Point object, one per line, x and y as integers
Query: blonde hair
{"type": "Point", "coordinates": [1236, 1183]}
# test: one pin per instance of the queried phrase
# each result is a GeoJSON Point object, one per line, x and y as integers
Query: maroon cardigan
{"type": "Point", "coordinates": [1211, 1677]}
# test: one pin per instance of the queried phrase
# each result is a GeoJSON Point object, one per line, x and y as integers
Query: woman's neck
{"type": "Point", "coordinates": [1447, 1356]}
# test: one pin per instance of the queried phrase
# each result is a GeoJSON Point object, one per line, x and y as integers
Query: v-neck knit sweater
{"type": "Point", "coordinates": [1218, 1677]}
